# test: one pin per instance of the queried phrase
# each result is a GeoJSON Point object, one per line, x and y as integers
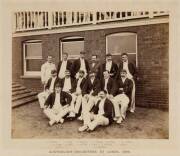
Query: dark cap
{"type": "Point", "coordinates": [58, 85]}
{"type": "Point", "coordinates": [108, 54]}
{"type": "Point", "coordinates": [53, 71]}
{"type": "Point", "coordinates": [124, 54]}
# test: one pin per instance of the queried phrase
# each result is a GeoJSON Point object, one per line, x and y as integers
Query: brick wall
{"type": "Point", "coordinates": [152, 45]}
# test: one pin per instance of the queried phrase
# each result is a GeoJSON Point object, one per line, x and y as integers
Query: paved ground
{"type": "Point", "coordinates": [28, 121]}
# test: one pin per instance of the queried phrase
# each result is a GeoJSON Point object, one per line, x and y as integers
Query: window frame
{"type": "Point", "coordinates": [30, 73]}
{"type": "Point", "coordinates": [122, 34]}
{"type": "Point", "coordinates": [66, 39]}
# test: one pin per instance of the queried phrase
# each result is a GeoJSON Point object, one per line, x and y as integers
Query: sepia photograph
{"type": "Point", "coordinates": [89, 78]}
{"type": "Point", "coordinates": [82, 74]}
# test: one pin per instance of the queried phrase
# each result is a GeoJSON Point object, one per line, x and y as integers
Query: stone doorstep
{"type": "Point", "coordinates": [24, 101]}
{"type": "Point", "coordinates": [21, 96]}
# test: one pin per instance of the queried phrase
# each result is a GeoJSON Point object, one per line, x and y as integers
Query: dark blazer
{"type": "Point", "coordinates": [95, 68]}
{"type": "Point", "coordinates": [88, 86]}
{"type": "Point", "coordinates": [110, 85]}
{"type": "Point", "coordinates": [57, 80]}
{"type": "Point", "coordinates": [113, 71]}
{"type": "Point", "coordinates": [131, 67]}
{"type": "Point", "coordinates": [108, 109]}
{"type": "Point", "coordinates": [127, 87]}
{"type": "Point", "coordinates": [65, 99]}
{"type": "Point", "coordinates": [68, 67]}
{"type": "Point", "coordinates": [82, 83]}
{"type": "Point", "coordinates": [76, 66]}
{"type": "Point", "coordinates": [73, 84]}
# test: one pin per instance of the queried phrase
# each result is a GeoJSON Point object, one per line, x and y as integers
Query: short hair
{"type": "Point", "coordinates": [57, 85]}
{"type": "Point", "coordinates": [82, 52]}
{"type": "Point", "coordinates": [54, 71]}
{"type": "Point", "coordinates": [103, 91]}
{"type": "Point", "coordinates": [108, 55]}
{"type": "Point", "coordinates": [65, 53]}
{"type": "Point", "coordinates": [123, 71]}
{"type": "Point", "coordinates": [124, 54]}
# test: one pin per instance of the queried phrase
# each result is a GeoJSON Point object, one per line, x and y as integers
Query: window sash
{"type": "Point", "coordinates": [121, 34]}
{"type": "Point", "coordinates": [26, 58]}
{"type": "Point", "coordinates": [70, 39]}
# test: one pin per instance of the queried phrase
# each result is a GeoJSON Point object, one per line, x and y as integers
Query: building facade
{"type": "Point", "coordinates": [143, 35]}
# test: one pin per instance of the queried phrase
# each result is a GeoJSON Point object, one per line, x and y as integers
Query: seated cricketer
{"type": "Point", "coordinates": [68, 84]}
{"type": "Point", "coordinates": [107, 84]}
{"type": "Point", "coordinates": [101, 114]}
{"type": "Point", "coordinates": [131, 74]}
{"type": "Point", "coordinates": [57, 105]}
{"type": "Point", "coordinates": [123, 96]}
{"type": "Point", "coordinates": [90, 91]}
{"type": "Point", "coordinates": [49, 88]}
{"type": "Point", "coordinates": [81, 80]}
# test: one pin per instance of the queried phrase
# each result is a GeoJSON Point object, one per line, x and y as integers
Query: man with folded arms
{"type": "Point", "coordinates": [101, 114]}
{"type": "Point", "coordinates": [123, 96]}
{"type": "Point", "coordinates": [49, 88]}
{"type": "Point", "coordinates": [57, 105]}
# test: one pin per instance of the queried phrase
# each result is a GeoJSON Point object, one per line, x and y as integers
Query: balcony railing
{"type": "Point", "coordinates": [35, 20]}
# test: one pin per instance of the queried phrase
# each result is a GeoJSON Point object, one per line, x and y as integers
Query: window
{"type": "Point", "coordinates": [119, 43]}
{"type": "Point", "coordinates": [32, 57]}
{"type": "Point", "coordinates": [72, 46]}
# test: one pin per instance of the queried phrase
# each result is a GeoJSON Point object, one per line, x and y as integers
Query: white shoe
{"type": "Point", "coordinates": [119, 120]}
{"type": "Point", "coordinates": [71, 114]}
{"type": "Point", "coordinates": [83, 128]}
{"type": "Point", "coordinates": [61, 120]}
{"type": "Point", "coordinates": [80, 118]}
{"type": "Point", "coordinates": [51, 122]}
{"type": "Point", "coordinates": [131, 110]}
{"type": "Point", "coordinates": [115, 119]}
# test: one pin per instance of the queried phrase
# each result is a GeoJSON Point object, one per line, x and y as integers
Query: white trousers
{"type": "Point", "coordinates": [120, 103]}
{"type": "Point", "coordinates": [42, 98]}
{"type": "Point", "coordinates": [93, 120]}
{"type": "Point", "coordinates": [132, 104]}
{"type": "Point", "coordinates": [87, 104]}
{"type": "Point", "coordinates": [56, 114]}
{"type": "Point", "coordinates": [78, 103]}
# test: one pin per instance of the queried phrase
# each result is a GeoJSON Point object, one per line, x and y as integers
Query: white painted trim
{"type": "Point", "coordinates": [118, 24]}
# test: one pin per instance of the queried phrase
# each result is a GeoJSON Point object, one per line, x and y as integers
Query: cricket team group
{"type": "Point", "coordinates": [95, 93]}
